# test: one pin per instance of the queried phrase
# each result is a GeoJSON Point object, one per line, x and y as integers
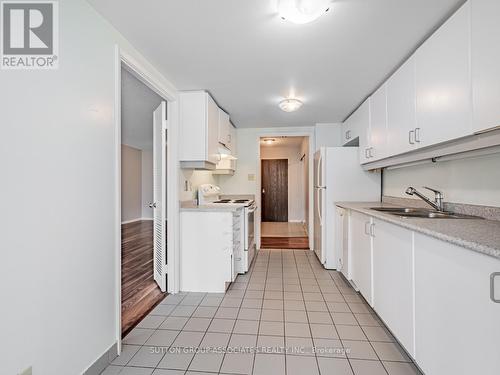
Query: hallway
{"type": "Point", "coordinates": [288, 315]}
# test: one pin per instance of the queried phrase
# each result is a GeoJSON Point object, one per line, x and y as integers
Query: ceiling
{"type": "Point", "coordinates": [250, 59]}
{"type": "Point", "coordinates": [138, 104]}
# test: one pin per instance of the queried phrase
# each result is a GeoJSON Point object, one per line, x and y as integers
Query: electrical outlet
{"type": "Point", "coordinates": [28, 371]}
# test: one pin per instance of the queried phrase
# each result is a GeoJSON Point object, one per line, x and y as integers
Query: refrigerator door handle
{"type": "Point", "coordinates": [318, 171]}
{"type": "Point", "coordinates": [318, 191]}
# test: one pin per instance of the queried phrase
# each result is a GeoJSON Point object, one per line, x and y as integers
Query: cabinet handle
{"type": "Point", "coordinates": [367, 231]}
{"type": "Point", "coordinates": [348, 134]}
{"type": "Point", "coordinates": [370, 152]}
{"type": "Point", "coordinates": [411, 136]}
{"type": "Point", "coordinates": [372, 230]}
{"type": "Point", "coordinates": [417, 135]}
{"type": "Point", "coordinates": [492, 287]}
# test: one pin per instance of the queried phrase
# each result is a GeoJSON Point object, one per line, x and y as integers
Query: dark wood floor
{"type": "Point", "coordinates": [284, 243]}
{"type": "Point", "coordinates": [140, 293]}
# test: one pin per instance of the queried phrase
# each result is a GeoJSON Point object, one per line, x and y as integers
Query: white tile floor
{"type": "Point", "coordinates": [286, 316]}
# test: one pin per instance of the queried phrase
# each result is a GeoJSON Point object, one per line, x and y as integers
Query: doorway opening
{"type": "Point", "coordinates": [284, 192]}
{"type": "Point", "coordinates": [143, 199]}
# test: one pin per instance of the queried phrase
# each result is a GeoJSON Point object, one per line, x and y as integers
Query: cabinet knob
{"type": "Point", "coordinates": [411, 137]}
{"type": "Point", "coordinates": [492, 287]}
{"type": "Point", "coordinates": [417, 135]}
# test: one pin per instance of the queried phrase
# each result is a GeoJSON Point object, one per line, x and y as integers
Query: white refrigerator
{"type": "Point", "coordinates": [338, 177]}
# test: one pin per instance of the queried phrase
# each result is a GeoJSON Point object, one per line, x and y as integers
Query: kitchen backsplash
{"type": "Point", "coordinates": [474, 181]}
{"type": "Point", "coordinates": [194, 179]}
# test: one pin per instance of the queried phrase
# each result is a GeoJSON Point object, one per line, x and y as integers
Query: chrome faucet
{"type": "Point", "coordinates": [438, 199]}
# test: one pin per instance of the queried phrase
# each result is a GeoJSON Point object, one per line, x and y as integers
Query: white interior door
{"type": "Point", "coordinates": [159, 195]}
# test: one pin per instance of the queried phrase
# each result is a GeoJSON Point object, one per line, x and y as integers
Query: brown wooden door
{"type": "Point", "coordinates": [274, 190]}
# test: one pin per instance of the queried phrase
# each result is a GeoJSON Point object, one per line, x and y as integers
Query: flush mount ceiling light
{"type": "Point", "coordinates": [302, 11]}
{"type": "Point", "coordinates": [290, 105]}
{"type": "Point", "coordinates": [269, 141]}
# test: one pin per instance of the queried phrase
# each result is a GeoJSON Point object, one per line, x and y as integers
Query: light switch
{"type": "Point", "coordinates": [251, 177]}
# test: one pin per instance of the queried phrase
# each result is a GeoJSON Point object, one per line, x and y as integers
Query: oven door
{"type": "Point", "coordinates": [249, 227]}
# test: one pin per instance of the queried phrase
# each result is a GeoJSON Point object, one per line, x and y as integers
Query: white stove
{"type": "Point", "coordinates": [210, 195]}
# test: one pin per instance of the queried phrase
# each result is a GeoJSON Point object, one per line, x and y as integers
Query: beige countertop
{"type": "Point", "coordinates": [479, 235]}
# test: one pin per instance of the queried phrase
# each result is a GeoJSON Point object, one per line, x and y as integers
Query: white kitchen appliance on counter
{"type": "Point", "coordinates": [210, 195]}
{"type": "Point", "coordinates": [338, 177]}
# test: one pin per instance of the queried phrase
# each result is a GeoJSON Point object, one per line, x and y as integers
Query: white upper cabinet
{"type": "Point", "coordinates": [349, 130]}
{"type": "Point", "coordinates": [401, 109]}
{"type": "Point", "coordinates": [225, 126]}
{"type": "Point", "coordinates": [485, 63]}
{"type": "Point", "coordinates": [361, 124]}
{"type": "Point", "coordinates": [377, 141]}
{"type": "Point", "coordinates": [443, 85]}
{"type": "Point", "coordinates": [199, 129]}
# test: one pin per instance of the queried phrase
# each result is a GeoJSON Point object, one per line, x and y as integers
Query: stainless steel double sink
{"type": "Point", "coordinates": [407, 212]}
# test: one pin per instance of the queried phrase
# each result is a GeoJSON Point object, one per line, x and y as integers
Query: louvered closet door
{"type": "Point", "coordinates": [159, 195]}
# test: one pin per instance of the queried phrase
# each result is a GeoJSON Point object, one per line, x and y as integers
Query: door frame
{"type": "Point", "coordinates": [288, 187]}
{"type": "Point", "coordinates": [290, 132]}
{"type": "Point", "coordinates": [151, 78]}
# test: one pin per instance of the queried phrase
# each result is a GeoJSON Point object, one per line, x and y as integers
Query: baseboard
{"type": "Point", "coordinates": [103, 361]}
{"type": "Point", "coordinates": [135, 220]}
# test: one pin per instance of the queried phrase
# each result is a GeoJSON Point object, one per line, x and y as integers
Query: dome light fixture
{"type": "Point", "coordinates": [269, 141]}
{"type": "Point", "coordinates": [302, 11]}
{"type": "Point", "coordinates": [290, 105]}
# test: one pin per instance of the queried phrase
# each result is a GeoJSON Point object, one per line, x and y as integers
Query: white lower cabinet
{"type": "Point", "coordinates": [361, 254]}
{"type": "Point", "coordinates": [457, 325]}
{"type": "Point", "coordinates": [434, 296]}
{"type": "Point", "coordinates": [393, 280]}
{"type": "Point", "coordinates": [207, 245]}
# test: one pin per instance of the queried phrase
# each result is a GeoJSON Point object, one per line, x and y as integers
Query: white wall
{"type": "Point", "coordinates": [328, 135]}
{"type": "Point", "coordinates": [131, 183]}
{"type": "Point", "coordinates": [296, 183]}
{"type": "Point", "coordinates": [58, 273]}
{"type": "Point", "coordinates": [147, 184]}
{"type": "Point", "coordinates": [194, 179]}
{"type": "Point", "coordinates": [472, 181]}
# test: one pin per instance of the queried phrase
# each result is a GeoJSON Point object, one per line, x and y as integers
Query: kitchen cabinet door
{"type": "Point", "coordinates": [223, 128]}
{"type": "Point", "coordinates": [378, 125]}
{"type": "Point", "coordinates": [361, 124]}
{"type": "Point", "coordinates": [348, 131]}
{"type": "Point", "coordinates": [401, 109]}
{"type": "Point", "coordinates": [212, 130]}
{"type": "Point", "coordinates": [485, 64]}
{"type": "Point", "coordinates": [361, 254]}
{"type": "Point", "coordinates": [457, 325]}
{"type": "Point", "coordinates": [232, 139]}
{"type": "Point", "coordinates": [444, 105]}
{"type": "Point", "coordinates": [393, 280]}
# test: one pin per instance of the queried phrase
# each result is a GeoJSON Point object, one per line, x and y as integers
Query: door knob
{"type": "Point", "coordinates": [263, 191]}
